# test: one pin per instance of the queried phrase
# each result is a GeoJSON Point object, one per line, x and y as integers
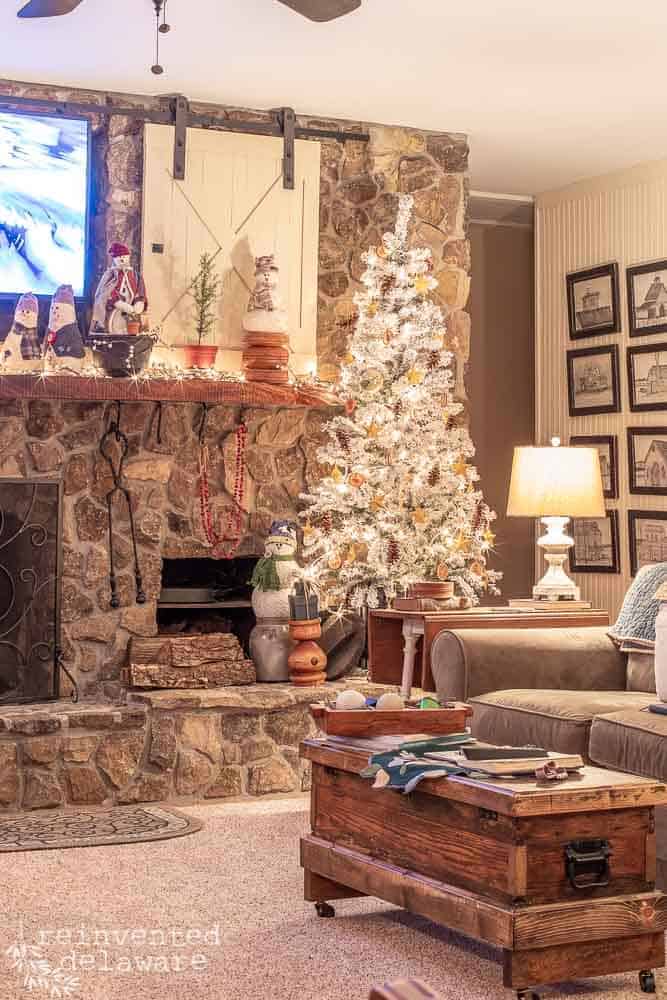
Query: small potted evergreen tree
{"type": "Point", "coordinates": [205, 293]}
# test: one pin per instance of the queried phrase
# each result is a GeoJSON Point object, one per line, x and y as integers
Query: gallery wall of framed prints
{"type": "Point", "coordinates": [633, 461]}
{"type": "Point", "coordinates": [601, 359]}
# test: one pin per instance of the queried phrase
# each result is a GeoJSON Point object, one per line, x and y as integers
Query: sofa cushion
{"type": "Point", "coordinates": [631, 740]}
{"type": "Point", "coordinates": [555, 720]}
{"type": "Point", "coordinates": [641, 672]}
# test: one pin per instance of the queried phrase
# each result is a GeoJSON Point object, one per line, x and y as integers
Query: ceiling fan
{"type": "Point", "coordinates": [314, 10]}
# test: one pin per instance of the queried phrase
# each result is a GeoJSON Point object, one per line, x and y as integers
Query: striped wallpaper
{"type": "Point", "coordinates": [618, 217]}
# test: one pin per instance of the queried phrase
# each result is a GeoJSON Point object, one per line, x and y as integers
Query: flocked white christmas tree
{"type": "Point", "coordinates": [399, 502]}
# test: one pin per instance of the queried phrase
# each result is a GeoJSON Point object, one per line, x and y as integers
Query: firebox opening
{"type": "Point", "coordinates": [206, 595]}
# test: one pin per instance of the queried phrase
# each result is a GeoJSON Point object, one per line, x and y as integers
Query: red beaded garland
{"type": "Point", "coordinates": [231, 532]}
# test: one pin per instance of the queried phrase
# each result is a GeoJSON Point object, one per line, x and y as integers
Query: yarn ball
{"type": "Point", "coordinates": [349, 700]}
{"type": "Point", "coordinates": [390, 702]}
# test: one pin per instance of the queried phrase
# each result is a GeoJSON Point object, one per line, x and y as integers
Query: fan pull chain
{"type": "Point", "coordinates": [159, 9]}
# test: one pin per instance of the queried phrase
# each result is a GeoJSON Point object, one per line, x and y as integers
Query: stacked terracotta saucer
{"type": "Point", "coordinates": [266, 357]}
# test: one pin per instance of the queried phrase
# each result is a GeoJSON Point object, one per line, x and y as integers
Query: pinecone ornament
{"type": "Point", "coordinates": [434, 476]}
{"type": "Point", "coordinates": [477, 519]}
{"type": "Point", "coordinates": [393, 552]}
{"type": "Point", "coordinates": [433, 361]}
{"type": "Point", "coordinates": [343, 437]}
{"type": "Point", "coordinates": [326, 523]}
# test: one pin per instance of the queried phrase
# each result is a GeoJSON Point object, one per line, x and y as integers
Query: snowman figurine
{"type": "Point", "coordinates": [21, 346]}
{"type": "Point", "coordinates": [266, 313]}
{"type": "Point", "coordinates": [275, 574]}
{"type": "Point", "coordinates": [63, 344]}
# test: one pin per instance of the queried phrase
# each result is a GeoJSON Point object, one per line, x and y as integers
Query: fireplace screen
{"type": "Point", "coordinates": [30, 538]}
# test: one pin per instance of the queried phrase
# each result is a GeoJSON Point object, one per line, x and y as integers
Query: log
{"type": "Point", "coordinates": [224, 673]}
{"type": "Point", "coordinates": [191, 650]}
{"type": "Point", "coordinates": [190, 661]}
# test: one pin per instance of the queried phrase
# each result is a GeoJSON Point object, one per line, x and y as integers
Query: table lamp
{"type": "Point", "coordinates": [556, 484]}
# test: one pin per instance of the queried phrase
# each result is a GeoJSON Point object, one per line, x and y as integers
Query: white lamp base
{"type": "Point", "coordinates": [556, 585]}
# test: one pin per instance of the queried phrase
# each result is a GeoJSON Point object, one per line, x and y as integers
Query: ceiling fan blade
{"type": "Point", "coordinates": [322, 10]}
{"type": "Point", "coordinates": [48, 8]}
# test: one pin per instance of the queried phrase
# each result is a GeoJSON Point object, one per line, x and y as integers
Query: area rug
{"type": "Point", "coordinates": [94, 827]}
{"type": "Point", "coordinates": [221, 916]}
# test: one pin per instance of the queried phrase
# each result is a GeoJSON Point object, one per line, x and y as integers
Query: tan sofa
{"type": "Point", "coordinates": [570, 690]}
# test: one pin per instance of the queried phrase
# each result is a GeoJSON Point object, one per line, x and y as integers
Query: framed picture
{"type": "Point", "coordinates": [647, 377]}
{"type": "Point", "coordinates": [592, 380]}
{"type": "Point", "coordinates": [648, 538]}
{"type": "Point", "coordinates": [647, 460]}
{"type": "Point", "coordinates": [595, 544]}
{"type": "Point", "coordinates": [606, 446]}
{"type": "Point", "coordinates": [647, 298]}
{"type": "Point", "coordinates": [592, 301]}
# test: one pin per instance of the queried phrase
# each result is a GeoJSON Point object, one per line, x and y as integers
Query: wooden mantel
{"type": "Point", "coordinates": [185, 390]}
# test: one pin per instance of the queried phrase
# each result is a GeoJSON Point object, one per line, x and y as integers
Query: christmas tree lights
{"type": "Point", "coordinates": [399, 502]}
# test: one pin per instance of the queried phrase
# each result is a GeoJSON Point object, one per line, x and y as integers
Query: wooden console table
{"type": "Point", "coordinates": [399, 642]}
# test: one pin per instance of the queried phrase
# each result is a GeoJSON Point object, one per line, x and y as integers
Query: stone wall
{"type": "Point", "coordinates": [163, 746]}
{"type": "Point", "coordinates": [359, 187]}
{"type": "Point", "coordinates": [62, 438]}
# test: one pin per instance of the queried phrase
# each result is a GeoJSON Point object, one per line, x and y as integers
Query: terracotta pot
{"type": "Point", "coordinates": [133, 327]}
{"type": "Point", "coordinates": [199, 355]}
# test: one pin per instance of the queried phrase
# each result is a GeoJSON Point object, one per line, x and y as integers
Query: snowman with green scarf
{"type": "Point", "coordinates": [276, 573]}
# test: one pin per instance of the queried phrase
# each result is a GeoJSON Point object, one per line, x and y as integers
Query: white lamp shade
{"type": "Point", "coordinates": [556, 482]}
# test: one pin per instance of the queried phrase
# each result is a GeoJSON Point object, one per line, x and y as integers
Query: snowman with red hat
{"type": "Point", "coordinates": [63, 344]}
{"type": "Point", "coordinates": [120, 300]}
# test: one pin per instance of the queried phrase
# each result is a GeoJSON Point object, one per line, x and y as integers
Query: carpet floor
{"type": "Point", "coordinates": [220, 916]}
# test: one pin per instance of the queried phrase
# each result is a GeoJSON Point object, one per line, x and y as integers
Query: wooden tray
{"type": "Point", "coordinates": [376, 722]}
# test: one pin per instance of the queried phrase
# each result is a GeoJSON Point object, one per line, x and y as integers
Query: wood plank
{"type": "Point", "coordinates": [182, 390]}
{"type": "Point", "coordinates": [446, 904]}
{"type": "Point", "coordinates": [410, 832]}
{"type": "Point", "coordinates": [592, 790]}
{"type": "Point", "coordinates": [547, 878]}
{"type": "Point", "coordinates": [517, 876]}
{"type": "Point", "coordinates": [318, 889]}
{"type": "Point", "coordinates": [594, 920]}
{"type": "Point", "coordinates": [522, 969]}
{"type": "Point", "coordinates": [583, 826]}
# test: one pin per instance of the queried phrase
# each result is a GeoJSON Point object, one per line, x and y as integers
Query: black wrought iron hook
{"type": "Point", "coordinates": [116, 467]}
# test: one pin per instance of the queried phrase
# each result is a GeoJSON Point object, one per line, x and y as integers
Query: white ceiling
{"type": "Point", "coordinates": [547, 92]}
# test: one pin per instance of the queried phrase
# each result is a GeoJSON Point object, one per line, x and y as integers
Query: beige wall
{"type": "Point", "coordinates": [501, 384]}
{"type": "Point", "coordinates": [618, 217]}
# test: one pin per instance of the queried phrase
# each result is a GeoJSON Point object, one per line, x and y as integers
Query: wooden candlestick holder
{"type": "Point", "coordinates": [307, 660]}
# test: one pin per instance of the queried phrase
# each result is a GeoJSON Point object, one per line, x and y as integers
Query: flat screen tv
{"type": "Point", "coordinates": [44, 185]}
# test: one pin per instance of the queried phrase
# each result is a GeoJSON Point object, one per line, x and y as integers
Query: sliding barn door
{"type": "Point", "coordinates": [232, 204]}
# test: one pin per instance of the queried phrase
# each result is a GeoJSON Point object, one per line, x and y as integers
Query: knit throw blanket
{"type": "Point", "coordinates": [635, 626]}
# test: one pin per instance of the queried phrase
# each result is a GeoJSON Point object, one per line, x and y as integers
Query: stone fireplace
{"type": "Point", "coordinates": [60, 439]}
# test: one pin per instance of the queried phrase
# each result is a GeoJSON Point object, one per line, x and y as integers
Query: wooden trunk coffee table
{"type": "Point", "coordinates": [560, 875]}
